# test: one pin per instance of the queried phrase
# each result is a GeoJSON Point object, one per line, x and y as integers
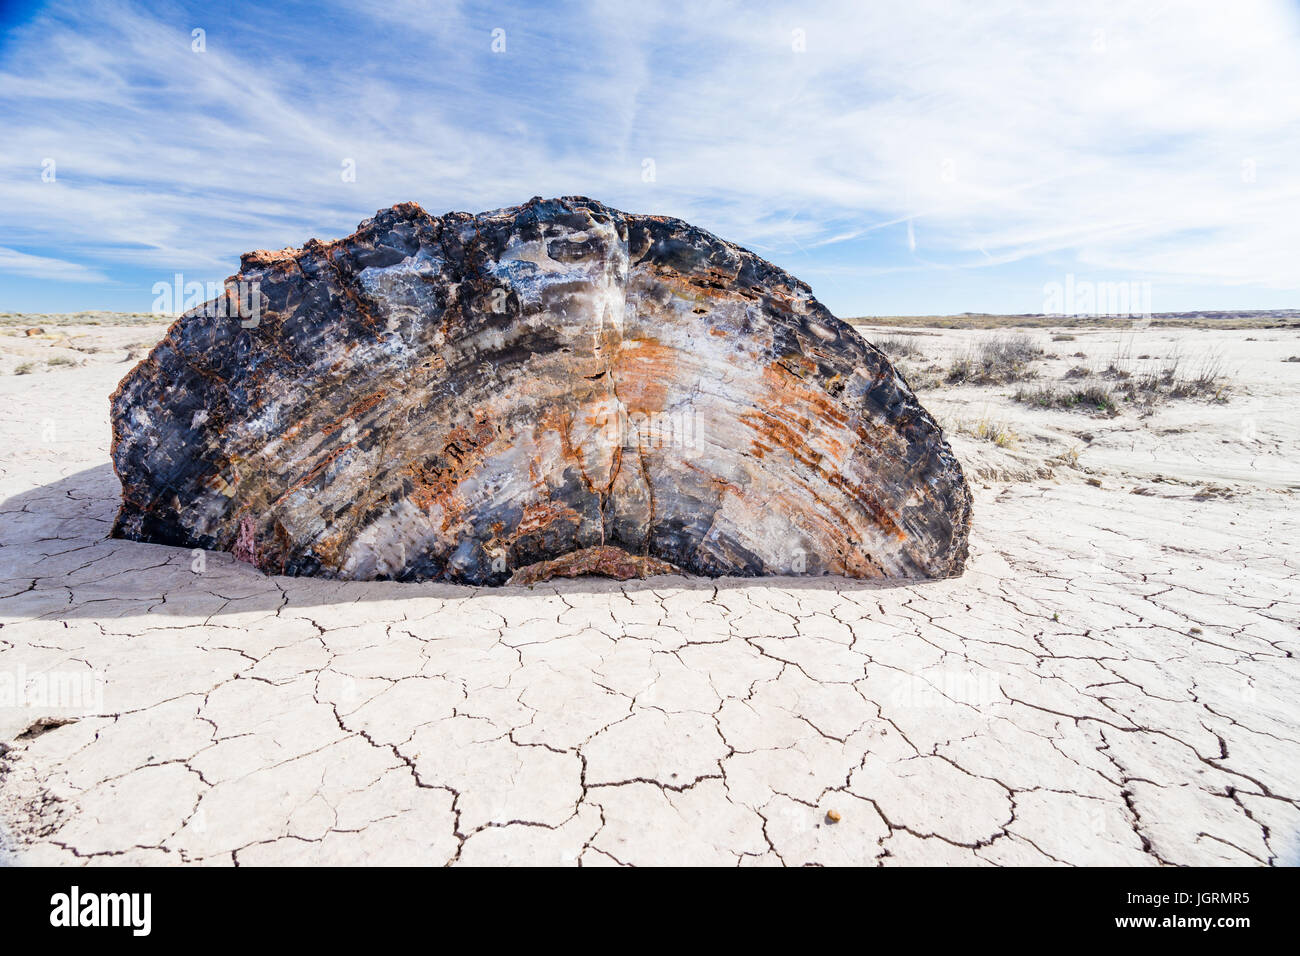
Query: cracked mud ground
{"type": "Point", "coordinates": [1113, 681]}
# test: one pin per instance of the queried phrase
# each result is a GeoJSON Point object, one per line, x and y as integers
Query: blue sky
{"type": "Point", "coordinates": [911, 157]}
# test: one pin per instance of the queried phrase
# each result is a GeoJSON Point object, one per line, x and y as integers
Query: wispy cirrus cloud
{"type": "Point", "coordinates": [42, 267]}
{"type": "Point", "coordinates": [849, 141]}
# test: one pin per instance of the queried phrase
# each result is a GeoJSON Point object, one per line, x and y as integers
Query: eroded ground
{"type": "Point", "coordinates": [1113, 681]}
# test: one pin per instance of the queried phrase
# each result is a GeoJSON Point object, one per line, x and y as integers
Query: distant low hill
{"type": "Point", "coordinates": [1244, 319]}
{"type": "Point", "coordinates": [29, 319]}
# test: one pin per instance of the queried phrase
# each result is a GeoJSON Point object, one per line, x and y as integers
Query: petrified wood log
{"type": "Point", "coordinates": [557, 388]}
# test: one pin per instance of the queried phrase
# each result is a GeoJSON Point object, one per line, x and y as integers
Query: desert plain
{"type": "Point", "coordinates": [1113, 681]}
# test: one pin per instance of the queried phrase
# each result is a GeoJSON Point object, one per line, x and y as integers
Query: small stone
{"type": "Point", "coordinates": [603, 561]}
{"type": "Point", "coordinates": [832, 816]}
{"type": "Point", "coordinates": [1095, 482]}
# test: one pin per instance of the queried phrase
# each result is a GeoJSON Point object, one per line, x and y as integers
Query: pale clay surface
{"type": "Point", "coordinates": [1113, 681]}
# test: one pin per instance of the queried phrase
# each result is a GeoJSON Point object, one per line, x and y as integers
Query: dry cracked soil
{"type": "Point", "coordinates": [1112, 681]}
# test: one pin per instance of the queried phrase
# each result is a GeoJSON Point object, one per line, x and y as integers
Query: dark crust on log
{"type": "Point", "coordinates": [419, 400]}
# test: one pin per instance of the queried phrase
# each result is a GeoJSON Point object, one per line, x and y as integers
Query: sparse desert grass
{"type": "Point", "coordinates": [26, 368]}
{"type": "Point", "coordinates": [1142, 383]}
{"type": "Point", "coordinates": [1172, 377]}
{"type": "Point", "coordinates": [1063, 337]}
{"type": "Point", "coordinates": [986, 429]}
{"type": "Point", "coordinates": [1207, 380]}
{"type": "Point", "coordinates": [1070, 457]}
{"type": "Point", "coordinates": [60, 361]}
{"type": "Point", "coordinates": [1084, 397]}
{"type": "Point", "coordinates": [995, 361]}
{"type": "Point", "coordinates": [905, 354]}
{"type": "Point", "coordinates": [899, 347]}
{"type": "Point", "coordinates": [918, 377]}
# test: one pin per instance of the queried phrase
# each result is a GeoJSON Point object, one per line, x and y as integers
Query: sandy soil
{"type": "Point", "coordinates": [1113, 681]}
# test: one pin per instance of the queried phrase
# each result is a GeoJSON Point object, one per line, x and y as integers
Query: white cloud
{"type": "Point", "coordinates": [1162, 139]}
{"type": "Point", "coordinates": [40, 267]}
